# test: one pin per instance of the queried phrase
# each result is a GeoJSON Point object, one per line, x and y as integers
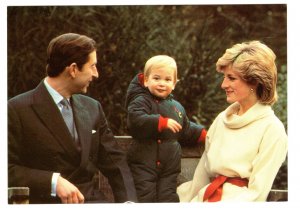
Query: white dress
{"type": "Point", "coordinates": [251, 146]}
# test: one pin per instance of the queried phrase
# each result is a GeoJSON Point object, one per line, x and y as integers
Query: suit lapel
{"type": "Point", "coordinates": [47, 111]}
{"type": "Point", "coordinates": [84, 128]}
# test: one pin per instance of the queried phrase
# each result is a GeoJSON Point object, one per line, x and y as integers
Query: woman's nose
{"type": "Point", "coordinates": [224, 84]}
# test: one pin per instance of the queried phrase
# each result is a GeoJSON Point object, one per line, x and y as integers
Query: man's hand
{"type": "Point", "coordinates": [67, 192]}
{"type": "Point", "coordinates": [173, 125]}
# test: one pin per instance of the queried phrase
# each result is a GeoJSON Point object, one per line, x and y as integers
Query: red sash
{"type": "Point", "coordinates": [213, 192]}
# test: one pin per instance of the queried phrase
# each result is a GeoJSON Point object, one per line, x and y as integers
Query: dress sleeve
{"type": "Point", "coordinates": [271, 154]}
{"type": "Point", "coordinates": [189, 190]}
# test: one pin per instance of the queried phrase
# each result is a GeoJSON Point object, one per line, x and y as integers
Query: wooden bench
{"type": "Point", "coordinates": [189, 160]}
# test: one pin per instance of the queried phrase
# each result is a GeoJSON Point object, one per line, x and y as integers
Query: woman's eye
{"type": "Point", "coordinates": [231, 78]}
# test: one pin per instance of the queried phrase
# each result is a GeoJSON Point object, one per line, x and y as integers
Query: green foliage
{"type": "Point", "coordinates": [195, 35]}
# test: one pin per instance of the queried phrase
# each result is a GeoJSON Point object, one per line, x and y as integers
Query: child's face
{"type": "Point", "coordinates": [160, 82]}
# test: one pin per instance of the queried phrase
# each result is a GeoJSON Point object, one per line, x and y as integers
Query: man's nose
{"type": "Point", "coordinates": [95, 73]}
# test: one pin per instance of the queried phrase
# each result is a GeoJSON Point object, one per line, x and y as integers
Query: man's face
{"type": "Point", "coordinates": [86, 75]}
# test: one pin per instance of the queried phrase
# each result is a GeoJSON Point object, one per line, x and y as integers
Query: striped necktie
{"type": "Point", "coordinates": [67, 114]}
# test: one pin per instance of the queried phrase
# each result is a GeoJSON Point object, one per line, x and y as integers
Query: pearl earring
{"type": "Point", "coordinates": [251, 89]}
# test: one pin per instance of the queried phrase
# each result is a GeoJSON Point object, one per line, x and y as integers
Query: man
{"type": "Point", "coordinates": [57, 158]}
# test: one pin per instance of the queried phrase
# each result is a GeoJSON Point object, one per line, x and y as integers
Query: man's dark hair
{"type": "Point", "coordinates": [66, 49]}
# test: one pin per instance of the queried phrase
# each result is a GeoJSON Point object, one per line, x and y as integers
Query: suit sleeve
{"type": "Point", "coordinates": [113, 164]}
{"type": "Point", "coordinates": [39, 181]}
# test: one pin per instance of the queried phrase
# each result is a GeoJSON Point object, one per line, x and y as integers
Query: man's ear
{"type": "Point", "coordinates": [72, 69]}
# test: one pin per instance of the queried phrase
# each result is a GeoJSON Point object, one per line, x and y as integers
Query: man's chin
{"type": "Point", "coordinates": [84, 90]}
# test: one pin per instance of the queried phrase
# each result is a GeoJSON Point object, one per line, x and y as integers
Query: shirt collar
{"type": "Point", "coordinates": [54, 94]}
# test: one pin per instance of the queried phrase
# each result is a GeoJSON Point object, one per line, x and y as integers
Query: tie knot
{"type": "Point", "coordinates": [65, 103]}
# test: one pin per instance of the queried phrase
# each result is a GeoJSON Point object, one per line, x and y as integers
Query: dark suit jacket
{"type": "Point", "coordinates": [39, 144]}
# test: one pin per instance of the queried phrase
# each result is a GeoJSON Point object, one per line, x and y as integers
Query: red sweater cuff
{"type": "Point", "coordinates": [202, 137]}
{"type": "Point", "coordinates": [162, 123]}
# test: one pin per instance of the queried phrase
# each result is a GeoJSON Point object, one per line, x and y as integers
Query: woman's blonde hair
{"type": "Point", "coordinates": [158, 62]}
{"type": "Point", "coordinates": [255, 63]}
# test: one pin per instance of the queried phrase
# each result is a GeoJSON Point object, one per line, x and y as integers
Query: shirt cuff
{"type": "Point", "coordinates": [54, 183]}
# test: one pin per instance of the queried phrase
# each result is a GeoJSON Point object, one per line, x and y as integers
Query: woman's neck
{"type": "Point", "coordinates": [246, 105]}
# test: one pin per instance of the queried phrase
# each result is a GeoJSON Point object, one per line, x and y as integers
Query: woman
{"type": "Point", "coordinates": [246, 144]}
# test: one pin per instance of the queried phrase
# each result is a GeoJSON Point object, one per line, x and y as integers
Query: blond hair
{"type": "Point", "coordinates": [158, 62]}
{"type": "Point", "coordinates": [255, 63]}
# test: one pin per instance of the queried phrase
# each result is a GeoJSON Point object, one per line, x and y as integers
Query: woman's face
{"type": "Point", "coordinates": [237, 90]}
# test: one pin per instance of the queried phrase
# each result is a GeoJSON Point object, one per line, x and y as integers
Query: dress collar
{"type": "Point", "coordinates": [256, 112]}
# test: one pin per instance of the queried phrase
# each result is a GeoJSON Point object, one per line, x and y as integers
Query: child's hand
{"type": "Point", "coordinates": [173, 125]}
